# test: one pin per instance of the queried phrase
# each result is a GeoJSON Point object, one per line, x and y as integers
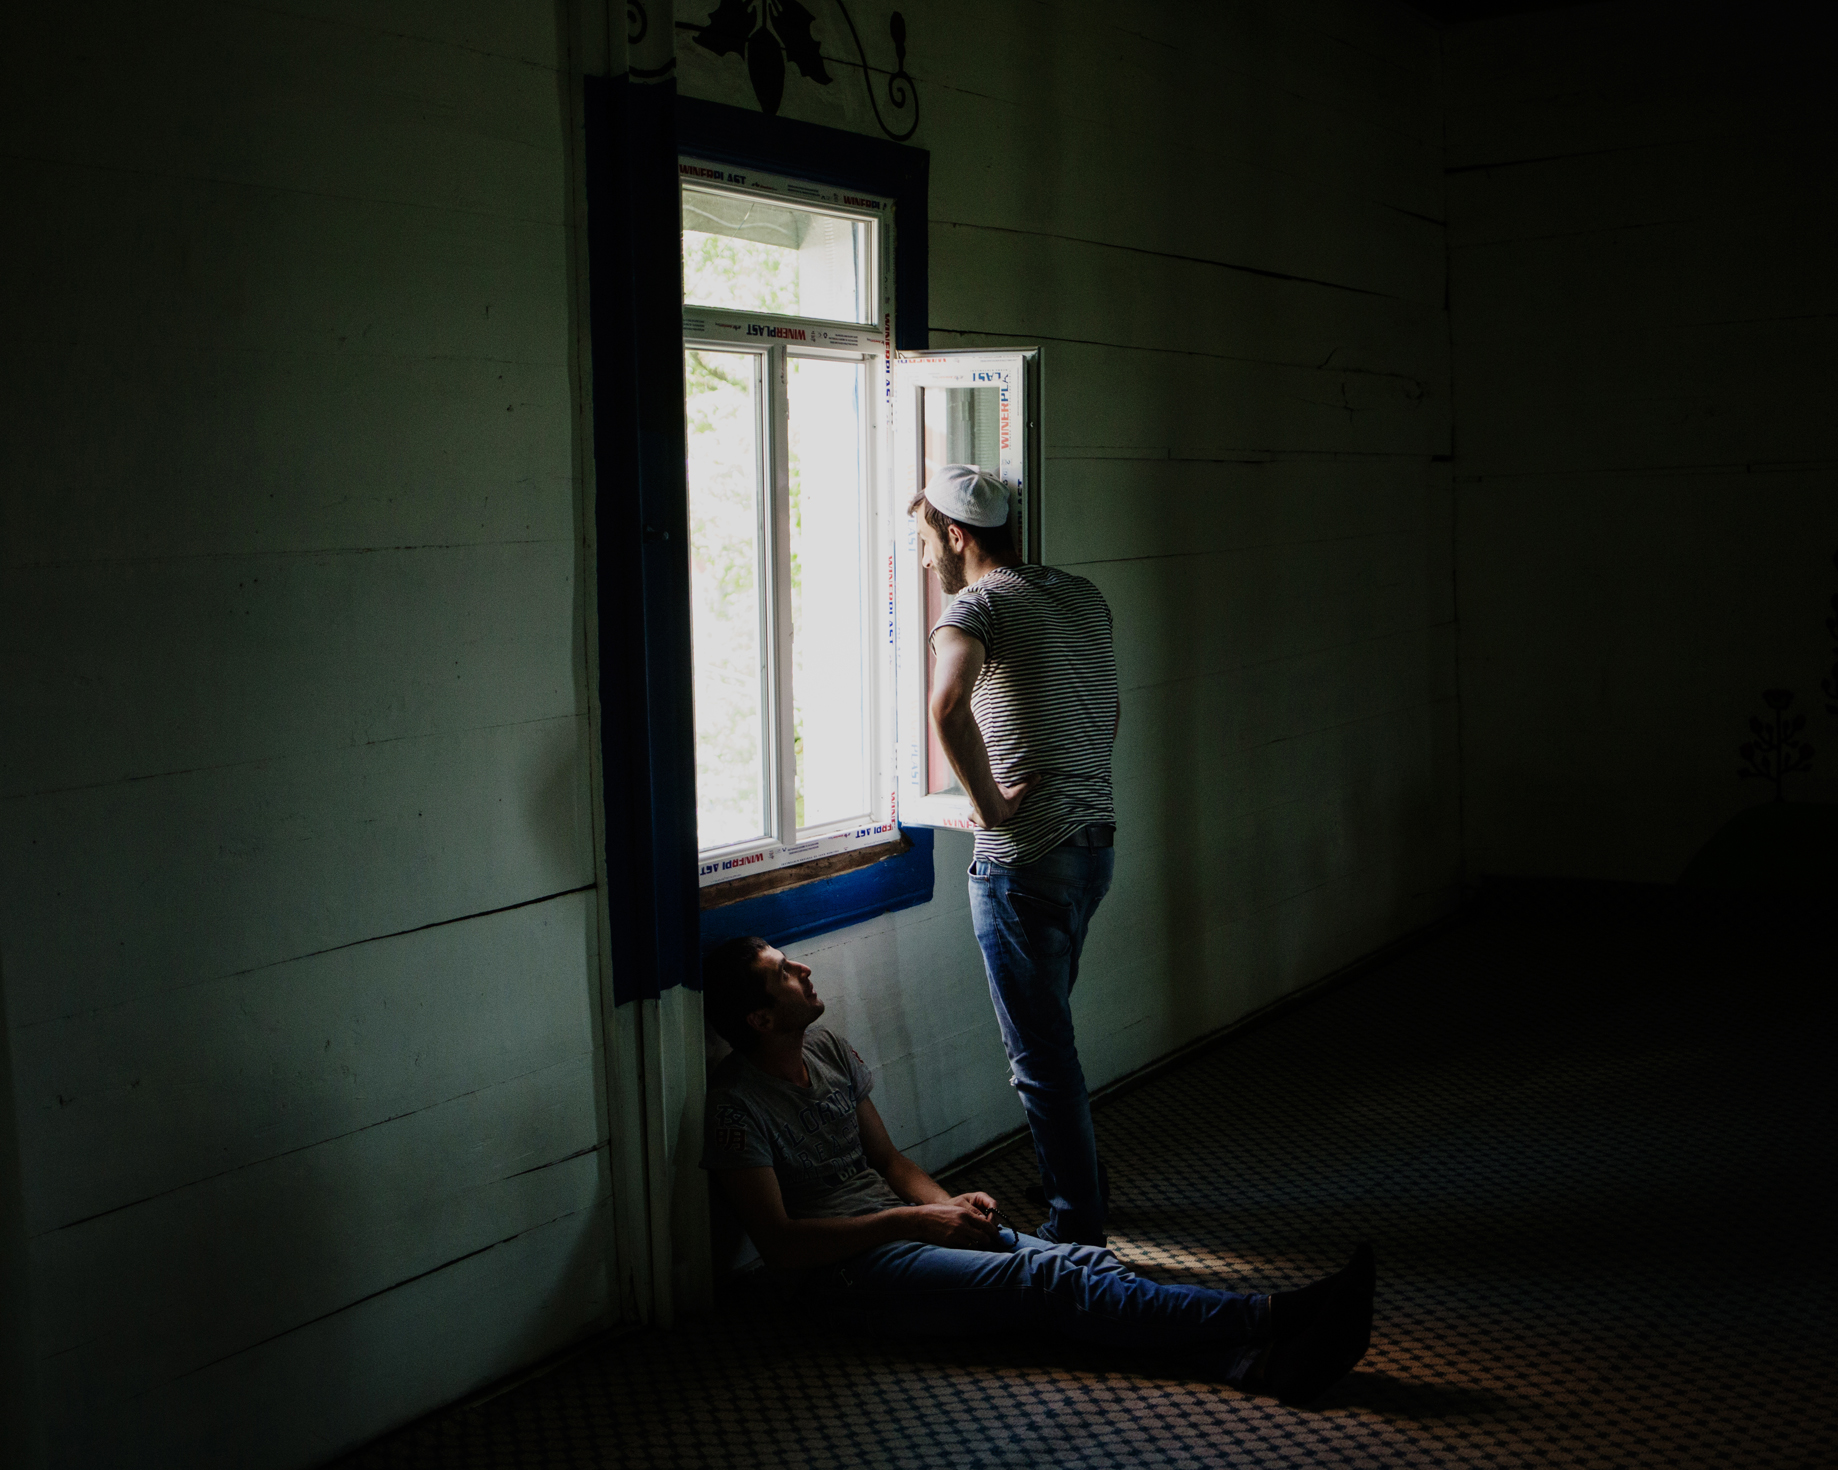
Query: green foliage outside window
{"type": "Point", "coordinates": [722, 420]}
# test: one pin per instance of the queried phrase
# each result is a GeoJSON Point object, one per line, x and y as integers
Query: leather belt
{"type": "Point", "coordinates": [1093, 834]}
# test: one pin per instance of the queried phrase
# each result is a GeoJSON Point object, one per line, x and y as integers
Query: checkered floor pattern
{"type": "Point", "coordinates": [1591, 1148]}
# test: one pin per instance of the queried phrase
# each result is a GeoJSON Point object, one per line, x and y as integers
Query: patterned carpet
{"type": "Point", "coordinates": [1587, 1145]}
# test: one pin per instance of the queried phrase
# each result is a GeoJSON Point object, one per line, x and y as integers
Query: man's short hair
{"type": "Point", "coordinates": [995, 541]}
{"type": "Point", "coordinates": [734, 987]}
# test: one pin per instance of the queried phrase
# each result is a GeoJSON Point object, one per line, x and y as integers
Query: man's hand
{"type": "Point", "coordinates": [983, 1204]}
{"type": "Point", "coordinates": [960, 1226]}
{"type": "Point", "coordinates": [1012, 797]}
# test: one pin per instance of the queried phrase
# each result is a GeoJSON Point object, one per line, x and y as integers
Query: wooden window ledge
{"type": "Point", "coordinates": [757, 885]}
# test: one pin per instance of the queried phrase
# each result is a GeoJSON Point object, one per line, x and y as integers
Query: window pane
{"type": "Point", "coordinates": [830, 619]}
{"type": "Point", "coordinates": [957, 426]}
{"type": "Point", "coordinates": [961, 426]}
{"type": "Point", "coordinates": [727, 580]}
{"type": "Point", "coordinates": [754, 254]}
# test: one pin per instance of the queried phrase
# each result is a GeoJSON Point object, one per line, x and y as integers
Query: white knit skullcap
{"type": "Point", "coordinates": [967, 494]}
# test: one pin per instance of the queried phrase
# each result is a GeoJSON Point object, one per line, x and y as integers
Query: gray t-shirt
{"type": "Point", "coordinates": [807, 1135]}
{"type": "Point", "coordinates": [1046, 702]}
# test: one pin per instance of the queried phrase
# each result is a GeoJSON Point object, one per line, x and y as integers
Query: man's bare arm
{"type": "Point", "coordinates": [960, 661]}
{"type": "Point", "coordinates": [903, 1176]}
{"type": "Point", "coordinates": [788, 1244]}
{"type": "Point", "coordinates": [934, 1217]}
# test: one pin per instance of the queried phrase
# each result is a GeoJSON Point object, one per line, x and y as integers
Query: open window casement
{"type": "Point", "coordinates": [977, 407]}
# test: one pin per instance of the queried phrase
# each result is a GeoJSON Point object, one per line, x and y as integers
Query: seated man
{"type": "Point", "coordinates": [802, 1154]}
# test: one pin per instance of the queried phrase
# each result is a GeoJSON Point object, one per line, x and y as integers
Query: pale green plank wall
{"type": "Point", "coordinates": [292, 663]}
{"type": "Point", "coordinates": [1643, 218]}
{"type": "Point", "coordinates": [1222, 224]}
{"type": "Point", "coordinates": [290, 567]}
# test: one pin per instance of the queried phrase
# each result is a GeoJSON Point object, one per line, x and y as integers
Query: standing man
{"type": "Point", "coordinates": [1024, 700]}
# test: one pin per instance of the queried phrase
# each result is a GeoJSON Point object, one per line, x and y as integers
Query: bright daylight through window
{"type": "Point", "coordinates": [808, 437]}
{"type": "Point", "coordinates": [785, 334]}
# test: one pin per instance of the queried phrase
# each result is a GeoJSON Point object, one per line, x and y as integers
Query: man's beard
{"type": "Point", "coordinates": [949, 565]}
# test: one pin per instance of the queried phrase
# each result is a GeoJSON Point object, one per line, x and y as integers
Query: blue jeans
{"type": "Point", "coordinates": [1083, 1292]}
{"type": "Point", "coordinates": [1030, 922]}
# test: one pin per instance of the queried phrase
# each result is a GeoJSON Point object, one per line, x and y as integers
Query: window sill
{"type": "Point", "coordinates": [757, 885]}
{"type": "Point", "coordinates": [808, 899]}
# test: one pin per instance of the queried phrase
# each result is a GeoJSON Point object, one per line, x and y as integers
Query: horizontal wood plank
{"type": "Point", "coordinates": [1024, 284]}
{"type": "Point", "coordinates": [333, 1384]}
{"type": "Point", "coordinates": [161, 1092]}
{"type": "Point", "coordinates": [219, 661]}
{"type": "Point", "coordinates": [281, 101]}
{"type": "Point", "coordinates": [145, 1295]}
{"type": "Point", "coordinates": [1185, 406]}
{"type": "Point", "coordinates": [1690, 411]}
{"type": "Point", "coordinates": [1581, 205]}
{"type": "Point", "coordinates": [1156, 199]}
{"type": "Point", "coordinates": [1624, 284]}
{"type": "Point", "coordinates": [513, 32]}
{"type": "Point", "coordinates": [234, 268]}
{"type": "Point", "coordinates": [1241, 66]}
{"type": "Point", "coordinates": [1098, 510]}
{"type": "Point", "coordinates": [138, 888]}
{"type": "Point", "coordinates": [1182, 618]}
{"type": "Point", "coordinates": [230, 454]}
{"type": "Point", "coordinates": [1249, 721]}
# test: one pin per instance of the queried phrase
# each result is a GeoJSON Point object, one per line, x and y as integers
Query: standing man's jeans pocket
{"type": "Point", "coordinates": [1030, 923]}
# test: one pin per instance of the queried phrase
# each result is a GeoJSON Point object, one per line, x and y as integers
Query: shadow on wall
{"type": "Point", "coordinates": [1781, 846]}
{"type": "Point", "coordinates": [1778, 847]}
{"type": "Point", "coordinates": [1185, 912]}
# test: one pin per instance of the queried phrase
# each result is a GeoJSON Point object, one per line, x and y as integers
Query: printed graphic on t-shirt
{"type": "Point", "coordinates": [729, 1131]}
{"type": "Point", "coordinates": [809, 1136]}
{"type": "Point", "coordinates": [823, 1136]}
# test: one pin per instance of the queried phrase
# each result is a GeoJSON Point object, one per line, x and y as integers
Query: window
{"type": "Point", "coordinates": [806, 437]}
{"type": "Point", "coordinates": [980, 408]}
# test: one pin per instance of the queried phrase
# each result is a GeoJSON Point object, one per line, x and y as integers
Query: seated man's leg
{"type": "Point", "coordinates": [1295, 1345]}
{"type": "Point", "coordinates": [1083, 1292]}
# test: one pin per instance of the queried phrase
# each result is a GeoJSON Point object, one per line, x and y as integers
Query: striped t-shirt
{"type": "Point", "coordinates": [1046, 702]}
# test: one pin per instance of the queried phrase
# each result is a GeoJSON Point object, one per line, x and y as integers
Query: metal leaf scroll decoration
{"type": "Point", "coordinates": [901, 89]}
{"type": "Point", "coordinates": [766, 32]}
{"type": "Point", "coordinates": [1776, 752]}
{"type": "Point", "coordinates": [770, 32]}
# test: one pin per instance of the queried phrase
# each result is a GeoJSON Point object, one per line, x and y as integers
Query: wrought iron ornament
{"type": "Point", "coordinates": [901, 88]}
{"type": "Point", "coordinates": [768, 33]}
{"type": "Point", "coordinates": [765, 32]}
{"type": "Point", "coordinates": [1776, 752]}
{"type": "Point", "coordinates": [637, 27]}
